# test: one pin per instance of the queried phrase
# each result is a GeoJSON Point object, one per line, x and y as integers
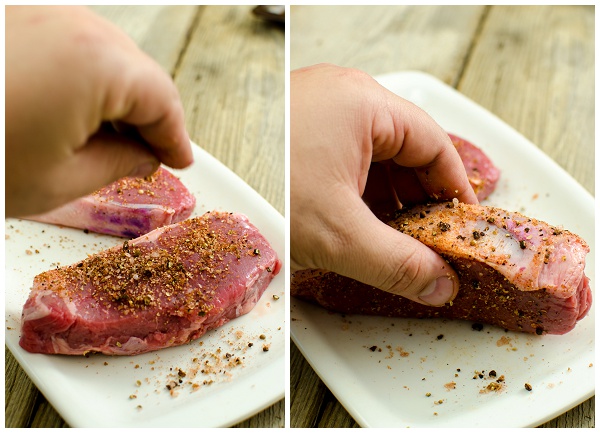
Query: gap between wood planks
{"type": "Point", "coordinates": [188, 37]}
{"type": "Point", "coordinates": [474, 41]}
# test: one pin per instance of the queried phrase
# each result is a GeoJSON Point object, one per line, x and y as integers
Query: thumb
{"type": "Point", "coordinates": [105, 158]}
{"type": "Point", "coordinates": [376, 254]}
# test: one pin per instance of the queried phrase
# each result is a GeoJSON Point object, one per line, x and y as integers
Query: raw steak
{"type": "Point", "coordinates": [129, 207]}
{"type": "Point", "coordinates": [162, 289]}
{"type": "Point", "coordinates": [482, 173]}
{"type": "Point", "coordinates": [515, 272]}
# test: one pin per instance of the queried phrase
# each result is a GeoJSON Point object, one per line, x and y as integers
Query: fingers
{"type": "Point", "coordinates": [137, 92]}
{"type": "Point", "coordinates": [370, 251]}
{"type": "Point", "coordinates": [149, 102]}
{"type": "Point", "coordinates": [107, 157]}
{"type": "Point", "coordinates": [405, 134]}
{"type": "Point", "coordinates": [390, 187]}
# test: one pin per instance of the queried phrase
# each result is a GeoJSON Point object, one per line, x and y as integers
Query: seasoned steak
{"type": "Point", "coordinates": [129, 207]}
{"type": "Point", "coordinates": [162, 289]}
{"type": "Point", "coordinates": [515, 272]}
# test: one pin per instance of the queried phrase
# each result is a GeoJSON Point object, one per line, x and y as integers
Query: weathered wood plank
{"type": "Point", "coordinates": [233, 91]}
{"type": "Point", "coordinates": [581, 416]}
{"type": "Point", "coordinates": [160, 31]}
{"type": "Point", "coordinates": [20, 394]}
{"type": "Point", "coordinates": [533, 66]}
{"type": "Point", "coordinates": [271, 417]}
{"type": "Point", "coordinates": [335, 415]}
{"type": "Point", "coordinates": [46, 416]}
{"type": "Point", "coordinates": [381, 39]}
{"type": "Point", "coordinates": [307, 391]}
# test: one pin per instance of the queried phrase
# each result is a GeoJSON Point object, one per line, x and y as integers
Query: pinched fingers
{"type": "Point", "coordinates": [404, 133]}
{"type": "Point", "coordinates": [148, 101]}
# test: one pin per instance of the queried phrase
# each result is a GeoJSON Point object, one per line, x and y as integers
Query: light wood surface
{"type": "Point", "coordinates": [229, 68]}
{"type": "Point", "coordinates": [531, 66]}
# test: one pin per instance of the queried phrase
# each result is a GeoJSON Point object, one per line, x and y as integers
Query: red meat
{"type": "Point", "coordinates": [163, 289]}
{"type": "Point", "coordinates": [129, 207]}
{"type": "Point", "coordinates": [514, 272]}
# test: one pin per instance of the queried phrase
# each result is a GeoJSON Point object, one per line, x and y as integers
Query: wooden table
{"type": "Point", "coordinates": [229, 69]}
{"type": "Point", "coordinates": [531, 66]}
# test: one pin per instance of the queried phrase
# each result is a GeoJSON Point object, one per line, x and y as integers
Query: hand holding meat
{"type": "Point", "coordinates": [69, 73]}
{"type": "Point", "coordinates": [515, 272]}
{"type": "Point", "coordinates": [341, 122]}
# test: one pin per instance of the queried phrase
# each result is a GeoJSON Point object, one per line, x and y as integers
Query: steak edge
{"type": "Point", "coordinates": [129, 207]}
{"type": "Point", "coordinates": [483, 175]}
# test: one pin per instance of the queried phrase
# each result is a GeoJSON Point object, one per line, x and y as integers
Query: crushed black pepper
{"type": "Point", "coordinates": [443, 226]}
{"type": "Point", "coordinates": [477, 327]}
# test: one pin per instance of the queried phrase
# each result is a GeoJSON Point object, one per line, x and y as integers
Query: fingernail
{"type": "Point", "coordinates": [438, 292]}
{"type": "Point", "coordinates": [144, 169]}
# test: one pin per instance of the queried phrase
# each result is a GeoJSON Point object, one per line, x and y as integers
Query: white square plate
{"type": "Point", "coordinates": [382, 369]}
{"type": "Point", "coordinates": [130, 391]}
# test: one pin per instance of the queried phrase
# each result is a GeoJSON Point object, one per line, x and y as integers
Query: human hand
{"type": "Point", "coordinates": [341, 121]}
{"type": "Point", "coordinates": [69, 74]}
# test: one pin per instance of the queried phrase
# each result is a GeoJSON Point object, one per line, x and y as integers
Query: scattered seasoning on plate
{"type": "Point", "coordinates": [204, 367]}
{"type": "Point", "coordinates": [450, 385]}
{"type": "Point", "coordinates": [493, 386]}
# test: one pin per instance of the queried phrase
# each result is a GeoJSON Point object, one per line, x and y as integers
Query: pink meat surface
{"type": "Point", "coordinates": [162, 289]}
{"type": "Point", "coordinates": [482, 173]}
{"type": "Point", "coordinates": [515, 272]}
{"type": "Point", "coordinates": [129, 207]}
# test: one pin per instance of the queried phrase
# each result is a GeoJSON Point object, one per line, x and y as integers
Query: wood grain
{"type": "Point", "coordinates": [432, 39]}
{"type": "Point", "coordinates": [229, 69]}
{"type": "Point", "coordinates": [533, 66]}
{"type": "Point", "coordinates": [159, 31]}
{"type": "Point", "coordinates": [234, 96]}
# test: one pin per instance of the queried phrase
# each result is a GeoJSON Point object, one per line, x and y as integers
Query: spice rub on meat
{"type": "Point", "coordinates": [162, 289]}
{"type": "Point", "coordinates": [515, 272]}
{"type": "Point", "coordinates": [129, 207]}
